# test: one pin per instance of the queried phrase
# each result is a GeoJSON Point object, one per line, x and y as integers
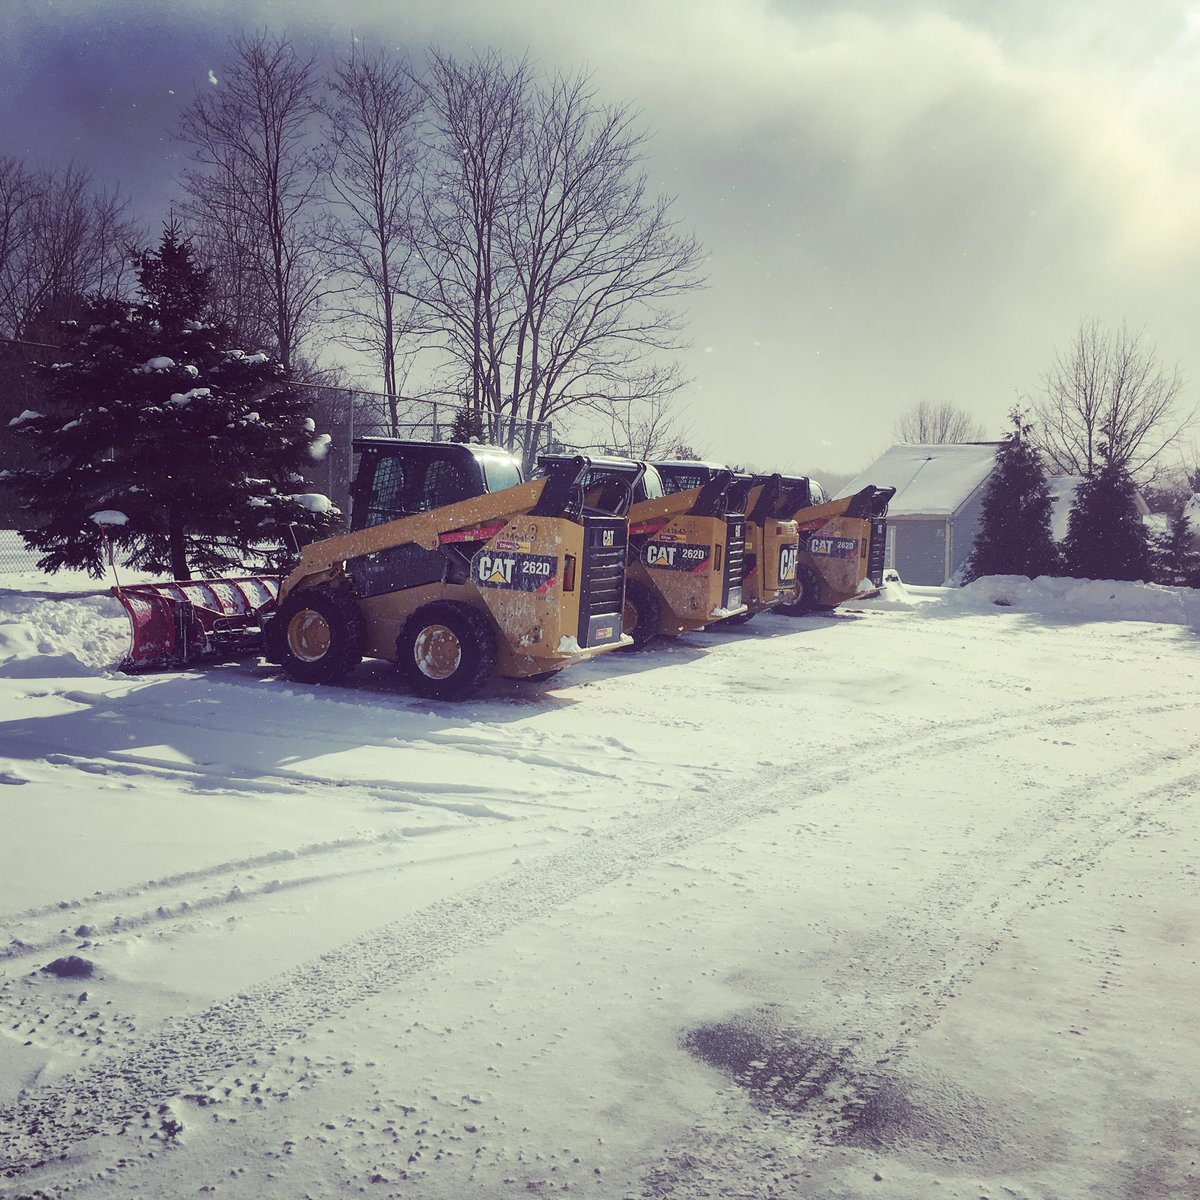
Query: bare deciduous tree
{"type": "Point", "coordinates": [927, 423]}
{"type": "Point", "coordinates": [654, 429]}
{"type": "Point", "coordinates": [477, 112]}
{"type": "Point", "coordinates": [372, 116]}
{"type": "Point", "coordinates": [61, 238]}
{"type": "Point", "coordinates": [549, 270]}
{"type": "Point", "coordinates": [255, 195]}
{"type": "Point", "coordinates": [598, 261]}
{"type": "Point", "coordinates": [1108, 389]}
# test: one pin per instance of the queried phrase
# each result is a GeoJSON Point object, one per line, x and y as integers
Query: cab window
{"type": "Point", "coordinates": [445, 483]}
{"type": "Point", "coordinates": [650, 486]}
{"type": "Point", "coordinates": [683, 479]}
{"type": "Point", "coordinates": [500, 473]}
{"type": "Point", "coordinates": [387, 492]}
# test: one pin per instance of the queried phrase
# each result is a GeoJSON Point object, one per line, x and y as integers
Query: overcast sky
{"type": "Point", "coordinates": [902, 201]}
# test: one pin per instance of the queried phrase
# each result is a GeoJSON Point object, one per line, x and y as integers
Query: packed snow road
{"type": "Point", "coordinates": [899, 902]}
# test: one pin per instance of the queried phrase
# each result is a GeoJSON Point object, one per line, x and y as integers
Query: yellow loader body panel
{"type": "Point", "coordinates": [684, 557]}
{"type": "Point", "coordinates": [772, 546]}
{"type": "Point", "coordinates": [842, 546]}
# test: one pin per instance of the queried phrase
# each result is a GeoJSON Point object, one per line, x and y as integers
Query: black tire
{"type": "Point", "coordinates": [446, 651]}
{"type": "Point", "coordinates": [317, 635]}
{"type": "Point", "coordinates": [541, 676]}
{"type": "Point", "coordinates": [641, 618]}
{"type": "Point", "coordinates": [808, 592]}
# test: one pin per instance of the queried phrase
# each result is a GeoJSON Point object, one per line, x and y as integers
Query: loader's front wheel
{"type": "Point", "coordinates": [808, 591]}
{"type": "Point", "coordinates": [642, 615]}
{"type": "Point", "coordinates": [317, 635]}
{"type": "Point", "coordinates": [446, 650]}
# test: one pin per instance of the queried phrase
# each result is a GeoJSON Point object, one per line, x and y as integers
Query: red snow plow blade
{"type": "Point", "coordinates": [173, 624]}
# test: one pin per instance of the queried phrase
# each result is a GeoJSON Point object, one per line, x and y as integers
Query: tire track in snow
{"type": "Point", "coordinates": [901, 979]}
{"type": "Point", "coordinates": [38, 930]}
{"type": "Point", "coordinates": [186, 1051]}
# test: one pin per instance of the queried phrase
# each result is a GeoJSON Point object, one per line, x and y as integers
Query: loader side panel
{"type": "Point", "coordinates": [602, 580]}
{"type": "Point", "coordinates": [778, 558]}
{"type": "Point", "coordinates": [878, 551]}
{"type": "Point", "coordinates": [685, 563]}
{"type": "Point", "coordinates": [395, 569]}
{"type": "Point", "coordinates": [735, 563]}
{"type": "Point", "coordinates": [836, 550]}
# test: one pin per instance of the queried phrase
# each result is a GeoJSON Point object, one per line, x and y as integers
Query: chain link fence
{"type": "Point", "coordinates": [14, 557]}
{"type": "Point", "coordinates": [346, 414]}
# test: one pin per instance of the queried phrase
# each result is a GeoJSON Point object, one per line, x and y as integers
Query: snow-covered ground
{"type": "Point", "coordinates": [896, 903]}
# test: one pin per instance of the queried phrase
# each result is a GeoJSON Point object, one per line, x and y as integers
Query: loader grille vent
{"type": "Point", "coordinates": [735, 560]}
{"type": "Point", "coordinates": [878, 551]}
{"type": "Point", "coordinates": [602, 592]}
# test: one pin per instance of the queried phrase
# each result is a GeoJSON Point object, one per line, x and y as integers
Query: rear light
{"type": "Point", "coordinates": [569, 573]}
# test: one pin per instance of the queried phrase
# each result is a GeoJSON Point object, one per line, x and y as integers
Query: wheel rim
{"type": "Point", "coordinates": [437, 652]}
{"type": "Point", "coordinates": [308, 636]}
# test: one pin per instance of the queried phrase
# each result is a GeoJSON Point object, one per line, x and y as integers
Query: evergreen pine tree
{"type": "Point", "coordinates": [153, 414]}
{"type": "Point", "coordinates": [467, 426]}
{"type": "Point", "coordinates": [1014, 536]}
{"type": "Point", "coordinates": [1175, 557]}
{"type": "Point", "coordinates": [1106, 538]}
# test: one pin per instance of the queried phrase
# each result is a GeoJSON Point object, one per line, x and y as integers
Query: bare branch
{"type": "Point", "coordinates": [1109, 391]}
{"type": "Point", "coordinates": [256, 188]}
{"type": "Point", "coordinates": [927, 423]}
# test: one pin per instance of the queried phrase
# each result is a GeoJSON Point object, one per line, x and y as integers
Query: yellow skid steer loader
{"type": "Point", "coordinates": [453, 569]}
{"type": "Point", "coordinates": [842, 547]}
{"type": "Point", "coordinates": [771, 545]}
{"type": "Point", "coordinates": [685, 548]}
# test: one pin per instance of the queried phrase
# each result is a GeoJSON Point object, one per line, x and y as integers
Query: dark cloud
{"type": "Point", "coordinates": [902, 202]}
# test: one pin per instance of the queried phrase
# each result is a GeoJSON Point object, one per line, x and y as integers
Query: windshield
{"type": "Point", "coordinates": [651, 485]}
{"type": "Point", "coordinates": [500, 473]}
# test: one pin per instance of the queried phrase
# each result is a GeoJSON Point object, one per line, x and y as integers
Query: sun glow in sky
{"type": "Point", "coordinates": [902, 201]}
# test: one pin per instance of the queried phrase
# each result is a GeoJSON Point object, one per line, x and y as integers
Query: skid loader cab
{"type": "Point", "coordinates": [681, 475]}
{"type": "Point", "coordinates": [842, 548]}
{"type": "Point", "coordinates": [452, 577]}
{"type": "Point", "coordinates": [398, 478]}
{"type": "Point", "coordinates": [684, 556]}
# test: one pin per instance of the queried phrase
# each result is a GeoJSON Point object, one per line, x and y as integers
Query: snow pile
{"type": "Point", "coordinates": [109, 516]}
{"type": "Point", "coordinates": [161, 363]}
{"type": "Point", "coordinates": [320, 446]}
{"type": "Point", "coordinates": [313, 501]}
{"type": "Point", "coordinates": [1081, 599]}
{"type": "Point", "coordinates": [894, 594]}
{"type": "Point", "coordinates": [27, 415]}
{"type": "Point", "coordinates": [182, 398]}
{"type": "Point", "coordinates": [42, 638]}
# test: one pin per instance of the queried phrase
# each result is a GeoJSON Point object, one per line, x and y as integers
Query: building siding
{"type": "Point", "coordinates": [964, 525]}
{"type": "Point", "coordinates": [919, 554]}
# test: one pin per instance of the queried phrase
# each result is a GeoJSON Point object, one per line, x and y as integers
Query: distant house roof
{"type": "Point", "coordinates": [1062, 493]}
{"type": "Point", "coordinates": [930, 481]}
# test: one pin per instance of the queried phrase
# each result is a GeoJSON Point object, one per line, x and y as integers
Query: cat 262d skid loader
{"type": "Point", "coordinates": [453, 569]}
{"type": "Point", "coordinates": [685, 548]}
{"type": "Point", "coordinates": [771, 545]}
{"type": "Point", "coordinates": [842, 546]}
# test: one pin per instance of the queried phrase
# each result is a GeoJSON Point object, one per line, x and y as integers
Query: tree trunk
{"type": "Point", "coordinates": [178, 546]}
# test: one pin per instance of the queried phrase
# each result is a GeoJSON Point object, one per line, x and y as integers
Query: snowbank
{"type": "Point", "coordinates": [1058, 599]}
{"type": "Point", "coordinates": [1081, 599]}
{"type": "Point", "coordinates": [61, 637]}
